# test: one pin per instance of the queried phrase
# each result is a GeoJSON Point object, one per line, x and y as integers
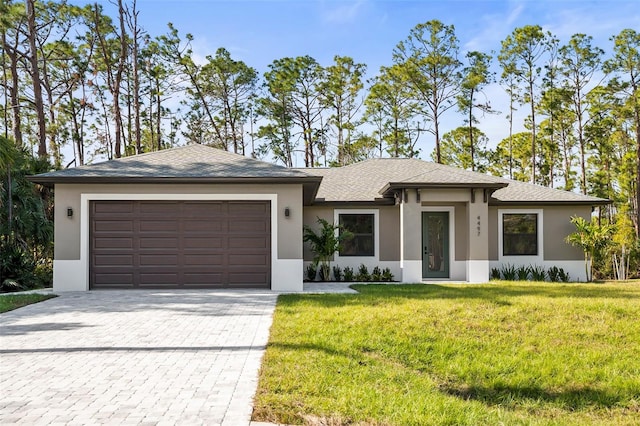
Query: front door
{"type": "Point", "coordinates": [435, 244]}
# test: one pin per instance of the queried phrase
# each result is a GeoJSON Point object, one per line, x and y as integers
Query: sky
{"type": "Point", "coordinates": [260, 31]}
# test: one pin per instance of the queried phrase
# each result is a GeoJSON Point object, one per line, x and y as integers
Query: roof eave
{"type": "Point", "coordinates": [391, 186]}
{"type": "Point", "coordinates": [495, 202]}
{"type": "Point", "coordinates": [382, 201]}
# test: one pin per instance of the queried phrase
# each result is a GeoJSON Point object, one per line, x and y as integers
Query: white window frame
{"type": "Point", "coordinates": [521, 259]}
{"type": "Point", "coordinates": [376, 235]}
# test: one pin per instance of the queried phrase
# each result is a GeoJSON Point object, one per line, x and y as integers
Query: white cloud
{"type": "Point", "coordinates": [495, 28]}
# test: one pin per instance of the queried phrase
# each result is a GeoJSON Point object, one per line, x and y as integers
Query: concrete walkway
{"type": "Point", "coordinates": [134, 357]}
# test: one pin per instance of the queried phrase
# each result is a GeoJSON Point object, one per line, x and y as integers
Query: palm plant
{"type": "Point", "coordinates": [591, 238]}
{"type": "Point", "coordinates": [325, 243]}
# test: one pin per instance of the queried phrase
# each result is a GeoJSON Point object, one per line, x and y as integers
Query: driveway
{"type": "Point", "coordinates": [132, 357]}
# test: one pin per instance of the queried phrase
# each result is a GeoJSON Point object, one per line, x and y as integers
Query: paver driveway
{"type": "Point", "coordinates": [130, 357]}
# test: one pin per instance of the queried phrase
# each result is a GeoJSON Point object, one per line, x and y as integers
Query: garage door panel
{"type": "Point", "coordinates": [202, 242]}
{"type": "Point", "coordinates": [113, 226]}
{"type": "Point", "coordinates": [249, 242]}
{"type": "Point", "coordinates": [113, 260]}
{"type": "Point", "coordinates": [250, 260]}
{"type": "Point", "coordinates": [114, 243]}
{"type": "Point", "coordinates": [206, 225]}
{"type": "Point", "coordinates": [155, 225]}
{"type": "Point", "coordinates": [158, 243]}
{"type": "Point", "coordinates": [160, 208]}
{"type": "Point", "coordinates": [165, 260]}
{"type": "Point", "coordinates": [204, 259]}
{"type": "Point", "coordinates": [181, 244]}
{"type": "Point", "coordinates": [114, 207]}
{"type": "Point", "coordinates": [114, 279]}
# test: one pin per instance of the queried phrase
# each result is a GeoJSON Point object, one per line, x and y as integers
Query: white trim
{"type": "Point", "coordinates": [66, 276]}
{"type": "Point", "coordinates": [452, 237]}
{"type": "Point", "coordinates": [367, 260]}
{"type": "Point", "coordinates": [532, 260]}
{"type": "Point", "coordinates": [85, 198]}
{"type": "Point", "coordinates": [477, 271]}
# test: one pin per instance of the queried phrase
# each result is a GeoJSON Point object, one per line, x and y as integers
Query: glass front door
{"type": "Point", "coordinates": [435, 244]}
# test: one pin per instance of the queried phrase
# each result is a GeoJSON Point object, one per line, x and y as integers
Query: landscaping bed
{"type": "Point", "coordinates": [514, 353]}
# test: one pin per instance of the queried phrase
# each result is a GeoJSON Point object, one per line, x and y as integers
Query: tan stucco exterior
{"type": "Point", "coordinates": [557, 226]}
{"type": "Point", "coordinates": [67, 229]}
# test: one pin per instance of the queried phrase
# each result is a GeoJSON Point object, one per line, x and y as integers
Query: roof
{"type": "Point", "coordinates": [187, 164]}
{"type": "Point", "coordinates": [369, 180]}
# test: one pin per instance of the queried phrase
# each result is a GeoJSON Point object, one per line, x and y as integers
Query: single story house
{"type": "Point", "coordinates": [199, 217]}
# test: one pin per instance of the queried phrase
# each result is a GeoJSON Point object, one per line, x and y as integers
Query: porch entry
{"type": "Point", "coordinates": [435, 244]}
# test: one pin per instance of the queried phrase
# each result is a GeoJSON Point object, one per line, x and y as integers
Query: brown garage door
{"type": "Point", "coordinates": [180, 244]}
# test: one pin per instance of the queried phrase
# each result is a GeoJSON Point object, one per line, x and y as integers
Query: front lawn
{"type": "Point", "coordinates": [505, 353]}
{"type": "Point", "coordinates": [9, 302]}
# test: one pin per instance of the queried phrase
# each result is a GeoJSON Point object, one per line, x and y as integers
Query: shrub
{"type": "Point", "coordinates": [554, 274]}
{"type": "Point", "coordinates": [376, 274]}
{"type": "Point", "coordinates": [564, 276]}
{"type": "Point", "coordinates": [509, 272]}
{"type": "Point", "coordinates": [337, 273]}
{"type": "Point", "coordinates": [387, 276]}
{"type": "Point", "coordinates": [495, 273]}
{"type": "Point", "coordinates": [522, 272]}
{"type": "Point", "coordinates": [348, 274]}
{"type": "Point", "coordinates": [363, 273]}
{"type": "Point", "coordinates": [16, 265]}
{"type": "Point", "coordinates": [312, 270]}
{"type": "Point", "coordinates": [538, 273]}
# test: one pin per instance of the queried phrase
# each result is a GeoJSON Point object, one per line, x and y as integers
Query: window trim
{"type": "Point", "coordinates": [376, 234]}
{"type": "Point", "coordinates": [526, 258]}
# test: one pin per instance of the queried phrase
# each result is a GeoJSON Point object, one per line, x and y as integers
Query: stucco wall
{"type": "Point", "coordinates": [389, 217]}
{"type": "Point", "coordinates": [556, 226]}
{"type": "Point", "coordinates": [67, 229]}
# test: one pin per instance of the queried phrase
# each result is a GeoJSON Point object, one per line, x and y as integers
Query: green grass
{"type": "Point", "coordinates": [9, 302]}
{"type": "Point", "coordinates": [504, 353]}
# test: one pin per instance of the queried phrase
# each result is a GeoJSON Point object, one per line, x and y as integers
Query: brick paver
{"type": "Point", "coordinates": [134, 357]}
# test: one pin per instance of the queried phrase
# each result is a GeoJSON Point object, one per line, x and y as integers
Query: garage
{"type": "Point", "coordinates": [179, 244]}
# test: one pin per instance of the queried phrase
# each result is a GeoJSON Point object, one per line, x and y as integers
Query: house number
{"type": "Point", "coordinates": [478, 225]}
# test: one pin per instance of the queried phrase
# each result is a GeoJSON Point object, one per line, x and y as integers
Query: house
{"type": "Point", "coordinates": [198, 217]}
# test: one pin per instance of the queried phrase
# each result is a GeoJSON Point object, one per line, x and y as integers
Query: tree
{"type": "Point", "coordinates": [592, 238]}
{"type": "Point", "coordinates": [520, 55]}
{"type": "Point", "coordinates": [340, 95]}
{"type": "Point", "coordinates": [429, 57]}
{"type": "Point", "coordinates": [474, 78]}
{"type": "Point", "coordinates": [579, 61]}
{"type": "Point", "coordinates": [456, 149]}
{"type": "Point", "coordinates": [325, 243]}
{"type": "Point", "coordinates": [32, 33]}
{"type": "Point", "coordinates": [390, 107]}
{"type": "Point", "coordinates": [512, 156]}
{"type": "Point", "coordinates": [626, 64]}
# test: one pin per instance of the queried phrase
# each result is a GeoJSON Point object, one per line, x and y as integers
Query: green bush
{"type": "Point", "coordinates": [16, 267]}
{"type": "Point", "coordinates": [509, 272]}
{"type": "Point", "coordinates": [337, 273]}
{"type": "Point", "coordinates": [538, 273]}
{"type": "Point", "coordinates": [522, 272]}
{"type": "Point", "coordinates": [495, 273]}
{"type": "Point", "coordinates": [348, 274]}
{"type": "Point", "coordinates": [363, 274]}
{"type": "Point", "coordinates": [376, 274]}
{"type": "Point", "coordinates": [387, 276]}
{"type": "Point", "coordinates": [312, 270]}
{"type": "Point", "coordinates": [554, 274]}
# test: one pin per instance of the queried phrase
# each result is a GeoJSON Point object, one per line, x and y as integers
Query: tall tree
{"type": "Point", "coordinates": [579, 61]}
{"type": "Point", "coordinates": [391, 108]}
{"type": "Point", "coordinates": [475, 76]}
{"type": "Point", "coordinates": [430, 58]}
{"type": "Point", "coordinates": [626, 63]}
{"type": "Point", "coordinates": [32, 34]}
{"type": "Point", "coordinates": [520, 55]}
{"type": "Point", "coordinates": [341, 97]}
{"type": "Point", "coordinates": [456, 149]}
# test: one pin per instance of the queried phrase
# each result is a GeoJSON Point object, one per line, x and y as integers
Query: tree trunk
{"type": "Point", "coordinates": [473, 167]}
{"type": "Point", "coordinates": [533, 134]}
{"type": "Point", "coordinates": [16, 125]}
{"type": "Point", "coordinates": [35, 75]}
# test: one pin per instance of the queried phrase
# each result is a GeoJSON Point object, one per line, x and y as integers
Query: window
{"type": "Point", "coordinates": [520, 234]}
{"type": "Point", "coordinates": [362, 227]}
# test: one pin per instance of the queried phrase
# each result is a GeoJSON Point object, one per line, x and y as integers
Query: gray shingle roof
{"type": "Point", "coordinates": [187, 162]}
{"type": "Point", "coordinates": [367, 180]}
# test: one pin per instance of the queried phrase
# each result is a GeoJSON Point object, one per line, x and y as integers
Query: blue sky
{"type": "Point", "coordinates": [259, 32]}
